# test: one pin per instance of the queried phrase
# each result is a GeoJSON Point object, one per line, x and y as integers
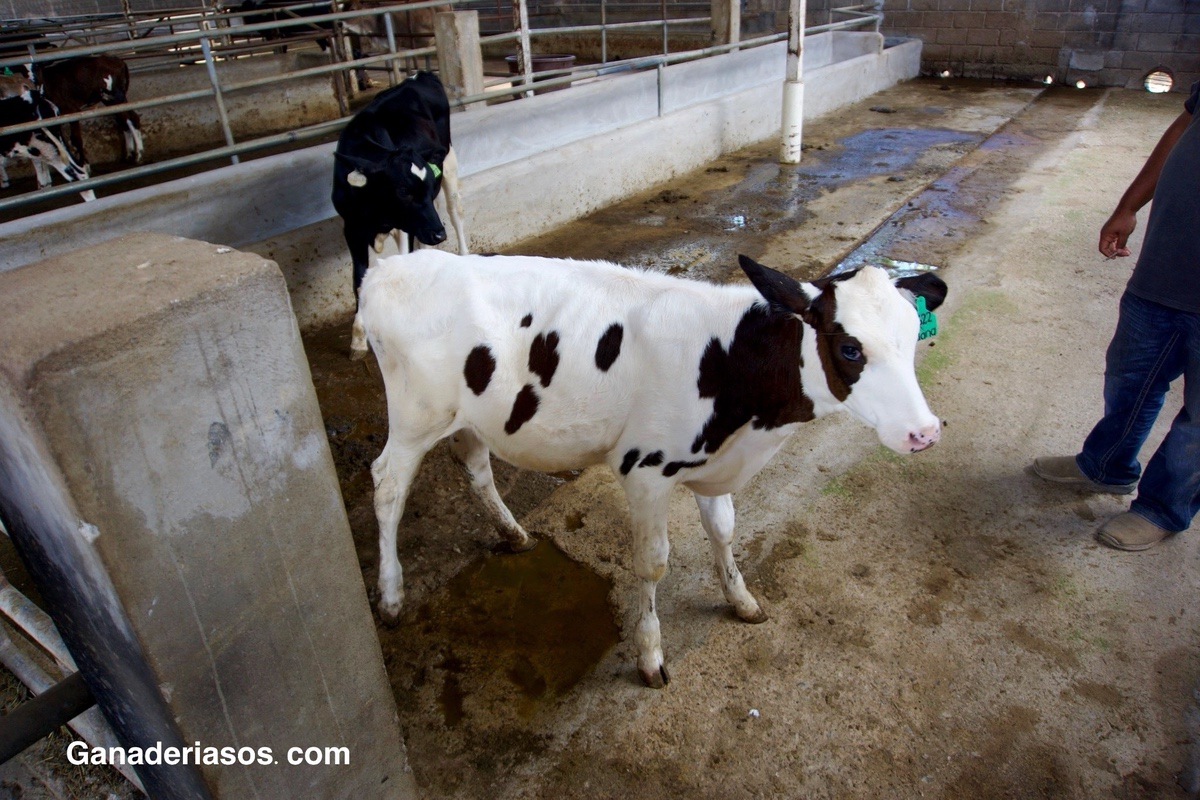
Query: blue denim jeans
{"type": "Point", "coordinates": [1153, 345]}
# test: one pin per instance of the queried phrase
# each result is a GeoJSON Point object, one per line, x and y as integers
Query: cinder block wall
{"type": "Point", "coordinates": [1103, 42]}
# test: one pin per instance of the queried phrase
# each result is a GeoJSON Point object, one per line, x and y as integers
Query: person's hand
{"type": "Point", "coordinates": [1115, 233]}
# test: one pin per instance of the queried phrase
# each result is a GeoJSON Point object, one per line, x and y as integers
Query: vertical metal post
{"type": "Point", "coordinates": [393, 70]}
{"type": "Point", "coordinates": [524, 57]}
{"type": "Point", "coordinates": [660, 74]}
{"type": "Point", "coordinates": [339, 80]}
{"type": "Point", "coordinates": [793, 86]}
{"type": "Point", "coordinates": [603, 31]}
{"type": "Point", "coordinates": [666, 43]}
{"type": "Point", "coordinates": [206, 48]}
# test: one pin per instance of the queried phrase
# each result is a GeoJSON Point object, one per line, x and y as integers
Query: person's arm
{"type": "Point", "coordinates": [1115, 233]}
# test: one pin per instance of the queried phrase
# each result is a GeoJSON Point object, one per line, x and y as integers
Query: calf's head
{"type": "Point", "coordinates": [859, 344]}
{"type": "Point", "coordinates": [407, 180]}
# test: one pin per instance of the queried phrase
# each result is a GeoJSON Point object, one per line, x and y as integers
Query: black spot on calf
{"type": "Point", "coordinates": [526, 320]}
{"type": "Point", "coordinates": [712, 368]}
{"type": "Point", "coordinates": [479, 368]}
{"type": "Point", "coordinates": [630, 459]}
{"type": "Point", "coordinates": [524, 407]}
{"type": "Point", "coordinates": [757, 380]}
{"type": "Point", "coordinates": [609, 346]}
{"type": "Point", "coordinates": [543, 356]}
{"type": "Point", "coordinates": [652, 460]}
{"type": "Point", "coordinates": [840, 374]}
{"type": "Point", "coordinates": [674, 466]}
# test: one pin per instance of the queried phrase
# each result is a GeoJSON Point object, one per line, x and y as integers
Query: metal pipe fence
{"type": "Point", "coordinates": [205, 38]}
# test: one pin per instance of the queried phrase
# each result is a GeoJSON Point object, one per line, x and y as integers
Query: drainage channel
{"type": "Point", "coordinates": [933, 225]}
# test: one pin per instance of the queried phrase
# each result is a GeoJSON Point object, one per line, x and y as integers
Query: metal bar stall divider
{"type": "Point", "coordinates": [20, 614]}
{"type": "Point", "coordinates": [202, 37]}
{"type": "Point", "coordinates": [222, 113]}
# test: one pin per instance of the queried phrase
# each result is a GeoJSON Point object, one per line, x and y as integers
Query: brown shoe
{"type": "Point", "coordinates": [1063, 469]}
{"type": "Point", "coordinates": [1128, 531]}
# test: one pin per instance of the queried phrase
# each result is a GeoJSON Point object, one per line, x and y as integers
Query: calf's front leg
{"type": "Point", "coordinates": [651, 548]}
{"type": "Point", "coordinates": [716, 515]}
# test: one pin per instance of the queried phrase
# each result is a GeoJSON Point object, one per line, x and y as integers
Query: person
{"type": "Point", "coordinates": [1157, 340]}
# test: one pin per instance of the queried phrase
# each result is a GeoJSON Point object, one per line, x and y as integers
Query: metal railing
{"type": "Point", "coordinates": [206, 38]}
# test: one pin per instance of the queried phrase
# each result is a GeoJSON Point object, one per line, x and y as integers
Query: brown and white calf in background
{"type": "Point", "coordinates": [555, 364]}
{"type": "Point", "coordinates": [21, 102]}
{"type": "Point", "coordinates": [86, 82]}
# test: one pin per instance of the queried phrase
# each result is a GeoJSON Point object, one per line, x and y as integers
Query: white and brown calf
{"type": "Point", "coordinates": [86, 82]}
{"type": "Point", "coordinates": [21, 102]}
{"type": "Point", "coordinates": [555, 364]}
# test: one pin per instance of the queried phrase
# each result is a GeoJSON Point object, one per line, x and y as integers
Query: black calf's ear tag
{"type": "Point", "coordinates": [778, 289]}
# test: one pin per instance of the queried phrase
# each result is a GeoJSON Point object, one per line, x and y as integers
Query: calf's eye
{"type": "Point", "coordinates": [851, 353]}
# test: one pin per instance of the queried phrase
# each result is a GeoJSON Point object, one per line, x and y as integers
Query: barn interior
{"type": "Point", "coordinates": [939, 625]}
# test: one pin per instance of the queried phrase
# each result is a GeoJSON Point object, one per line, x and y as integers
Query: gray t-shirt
{"type": "Point", "coordinates": [1168, 268]}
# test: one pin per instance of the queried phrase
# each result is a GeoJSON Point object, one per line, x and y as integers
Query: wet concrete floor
{"type": "Point", "coordinates": [488, 644]}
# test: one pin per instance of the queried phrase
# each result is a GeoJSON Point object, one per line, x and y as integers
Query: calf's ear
{"type": "Point", "coordinates": [778, 289]}
{"type": "Point", "coordinates": [436, 156]}
{"type": "Point", "coordinates": [356, 163]}
{"type": "Point", "coordinates": [926, 285]}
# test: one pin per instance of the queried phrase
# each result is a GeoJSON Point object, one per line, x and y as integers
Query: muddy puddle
{"type": "Point", "coordinates": [523, 629]}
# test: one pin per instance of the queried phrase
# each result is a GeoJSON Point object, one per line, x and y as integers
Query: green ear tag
{"type": "Point", "coordinates": [437, 171]}
{"type": "Point", "coordinates": [928, 319]}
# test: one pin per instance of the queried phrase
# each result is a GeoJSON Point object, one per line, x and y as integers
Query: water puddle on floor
{"type": "Point", "coordinates": [880, 151]}
{"type": "Point", "coordinates": [528, 626]}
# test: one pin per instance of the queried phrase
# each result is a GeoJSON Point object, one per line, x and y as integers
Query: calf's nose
{"type": "Point", "coordinates": [924, 438]}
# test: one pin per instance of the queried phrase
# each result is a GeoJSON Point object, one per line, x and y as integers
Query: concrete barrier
{"type": "Point", "coordinates": [165, 475]}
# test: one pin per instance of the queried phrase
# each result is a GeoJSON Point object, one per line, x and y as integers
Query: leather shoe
{"type": "Point", "coordinates": [1129, 531]}
{"type": "Point", "coordinates": [1064, 470]}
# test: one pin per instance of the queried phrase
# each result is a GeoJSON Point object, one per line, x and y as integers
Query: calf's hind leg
{"type": "Point", "coordinates": [716, 514]}
{"type": "Point", "coordinates": [470, 453]}
{"type": "Point", "coordinates": [393, 473]}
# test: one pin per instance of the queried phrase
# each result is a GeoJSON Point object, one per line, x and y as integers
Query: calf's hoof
{"type": "Point", "coordinates": [755, 617]}
{"type": "Point", "coordinates": [358, 354]}
{"type": "Point", "coordinates": [510, 546]}
{"type": "Point", "coordinates": [655, 679]}
{"type": "Point", "coordinates": [389, 614]}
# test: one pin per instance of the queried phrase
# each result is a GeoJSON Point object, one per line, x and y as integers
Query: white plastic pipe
{"type": "Point", "coordinates": [793, 87]}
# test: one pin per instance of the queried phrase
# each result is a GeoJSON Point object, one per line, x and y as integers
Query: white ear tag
{"type": "Point", "coordinates": [356, 178]}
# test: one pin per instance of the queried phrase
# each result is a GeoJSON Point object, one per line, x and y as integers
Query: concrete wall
{"type": "Point", "coordinates": [528, 166]}
{"type": "Point", "coordinates": [179, 128]}
{"type": "Point", "coordinates": [155, 394]}
{"type": "Point", "coordinates": [1104, 42]}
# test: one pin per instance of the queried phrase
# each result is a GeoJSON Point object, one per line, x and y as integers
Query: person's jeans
{"type": "Point", "coordinates": [1153, 345]}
